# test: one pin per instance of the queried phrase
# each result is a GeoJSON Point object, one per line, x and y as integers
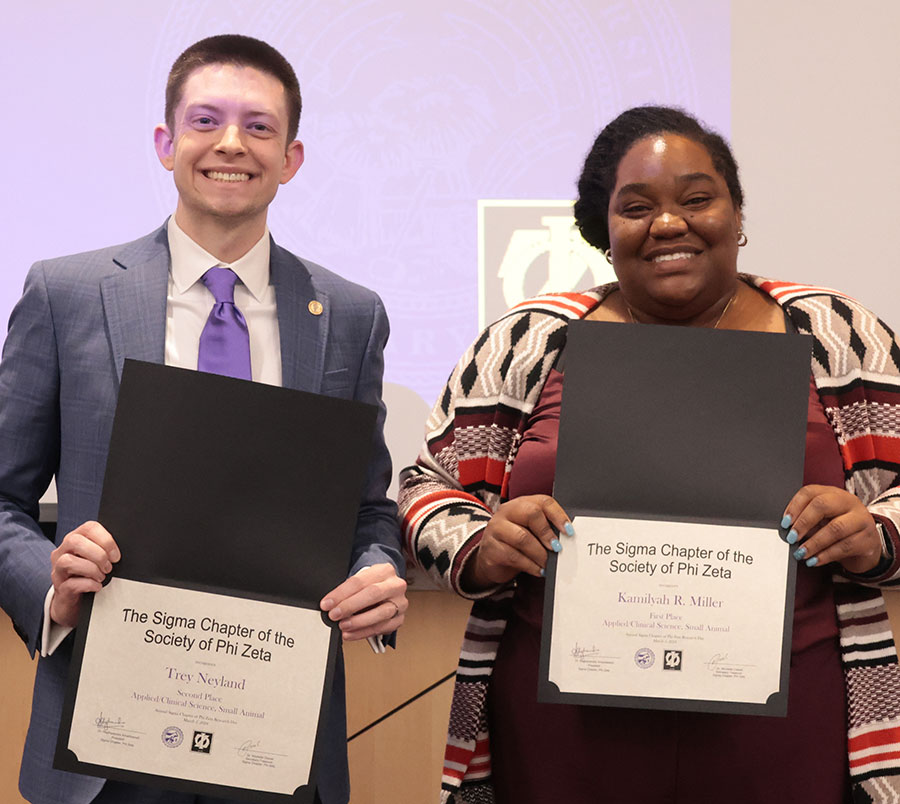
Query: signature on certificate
{"type": "Point", "coordinates": [104, 723]}
{"type": "Point", "coordinates": [247, 745]}
{"type": "Point", "coordinates": [580, 652]}
{"type": "Point", "coordinates": [251, 754]}
{"type": "Point", "coordinates": [591, 659]}
{"type": "Point", "coordinates": [721, 667]}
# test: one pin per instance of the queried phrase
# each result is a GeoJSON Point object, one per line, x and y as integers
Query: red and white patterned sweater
{"type": "Point", "coordinates": [473, 435]}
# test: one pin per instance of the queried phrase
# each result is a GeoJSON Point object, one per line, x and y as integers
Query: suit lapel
{"type": "Point", "coordinates": [302, 333]}
{"type": "Point", "coordinates": [134, 301]}
{"type": "Point", "coordinates": [134, 305]}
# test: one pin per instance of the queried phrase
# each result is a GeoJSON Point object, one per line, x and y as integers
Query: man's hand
{"type": "Point", "coordinates": [79, 565]}
{"type": "Point", "coordinates": [371, 602]}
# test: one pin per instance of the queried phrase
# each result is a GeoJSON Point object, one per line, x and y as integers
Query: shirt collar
{"type": "Point", "coordinates": [190, 261]}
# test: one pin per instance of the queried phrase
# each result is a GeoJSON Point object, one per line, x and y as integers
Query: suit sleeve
{"type": "Point", "coordinates": [29, 455]}
{"type": "Point", "coordinates": [377, 537]}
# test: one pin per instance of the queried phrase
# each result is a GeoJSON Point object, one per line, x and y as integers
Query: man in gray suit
{"type": "Point", "coordinates": [232, 111]}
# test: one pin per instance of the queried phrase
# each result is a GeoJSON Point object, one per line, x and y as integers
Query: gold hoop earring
{"type": "Point", "coordinates": [742, 238]}
{"type": "Point", "coordinates": [608, 255]}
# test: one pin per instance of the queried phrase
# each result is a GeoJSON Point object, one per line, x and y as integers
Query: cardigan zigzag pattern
{"type": "Point", "coordinates": [473, 435]}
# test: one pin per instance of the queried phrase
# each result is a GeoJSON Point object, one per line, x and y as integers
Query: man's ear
{"type": "Point", "coordinates": [293, 158]}
{"type": "Point", "coordinates": [165, 146]}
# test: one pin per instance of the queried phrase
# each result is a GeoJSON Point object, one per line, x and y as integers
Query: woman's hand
{"type": "Point", "coordinates": [831, 524]}
{"type": "Point", "coordinates": [516, 540]}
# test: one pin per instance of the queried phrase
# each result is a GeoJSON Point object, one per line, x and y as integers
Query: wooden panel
{"type": "Point", "coordinates": [399, 760]}
{"type": "Point", "coordinates": [427, 649]}
{"type": "Point", "coordinates": [17, 672]}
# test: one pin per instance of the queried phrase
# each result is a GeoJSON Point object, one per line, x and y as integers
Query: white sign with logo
{"type": "Point", "coordinates": [526, 248]}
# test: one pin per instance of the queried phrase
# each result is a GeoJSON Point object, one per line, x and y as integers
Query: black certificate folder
{"type": "Point", "coordinates": [235, 506]}
{"type": "Point", "coordinates": [665, 424]}
{"type": "Point", "coordinates": [234, 485]}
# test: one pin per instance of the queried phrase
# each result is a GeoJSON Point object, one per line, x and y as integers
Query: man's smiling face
{"type": "Point", "coordinates": [228, 150]}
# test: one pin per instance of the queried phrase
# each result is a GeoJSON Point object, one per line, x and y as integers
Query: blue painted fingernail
{"type": "Point", "coordinates": [542, 572]}
{"type": "Point", "coordinates": [811, 562]}
{"type": "Point", "coordinates": [799, 553]}
{"type": "Point", "coordinates": [792, 537]}
{"type": "Point", "coordinates": [570, 531]}
{"type": "Point", "coordinates": [555, 545]}
{"type": "Point", "coordinates": [786, 521]}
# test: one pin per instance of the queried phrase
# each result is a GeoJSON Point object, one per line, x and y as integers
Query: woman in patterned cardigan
{"type": "Point", "coordinates": [661, 195]}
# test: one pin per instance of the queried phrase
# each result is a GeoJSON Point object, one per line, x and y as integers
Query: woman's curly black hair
{"type": "Point", "coordinates": [598, 177]}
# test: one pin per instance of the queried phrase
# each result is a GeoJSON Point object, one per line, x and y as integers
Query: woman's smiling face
{"type": "Point", "coordinates": [673, 230]}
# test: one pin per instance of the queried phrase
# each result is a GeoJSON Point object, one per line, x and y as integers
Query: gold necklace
{"type": "Point", "coordinates": [714, 326]}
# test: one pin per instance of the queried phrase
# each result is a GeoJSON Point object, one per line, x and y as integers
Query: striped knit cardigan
{"type": "Point", "coordinates": [472, 437]}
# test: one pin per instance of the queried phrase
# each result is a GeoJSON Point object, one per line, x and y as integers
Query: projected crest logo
{"type": "Point", "coordinates": [530, 247]}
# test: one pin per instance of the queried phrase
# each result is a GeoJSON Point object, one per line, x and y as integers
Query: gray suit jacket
{"type": "Point", "coordinates": [77, 321]}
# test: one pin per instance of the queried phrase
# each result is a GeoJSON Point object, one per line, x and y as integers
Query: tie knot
{"type": "Point", "coordinates": [220, 282]}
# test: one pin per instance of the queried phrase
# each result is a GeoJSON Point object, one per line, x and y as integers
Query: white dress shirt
{"type": "Point", "coordinates": [189, 302]}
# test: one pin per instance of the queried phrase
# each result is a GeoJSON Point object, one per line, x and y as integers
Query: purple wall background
{"type": "Point", "coordinates": [412, 112]}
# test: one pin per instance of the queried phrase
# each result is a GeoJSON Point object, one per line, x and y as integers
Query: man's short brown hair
{"type": "Point", "coordinates": [242, 51]}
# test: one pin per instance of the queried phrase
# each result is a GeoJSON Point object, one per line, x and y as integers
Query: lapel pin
{"type": "Point", "coordinates": [315, 307]}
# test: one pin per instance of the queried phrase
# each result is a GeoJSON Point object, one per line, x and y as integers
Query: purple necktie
{"type": "Point", "coordinates": [225, 341]}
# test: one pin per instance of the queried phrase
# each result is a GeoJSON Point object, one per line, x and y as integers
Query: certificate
{"type": "Point", "coordinates": [678, 450]}
{"type": "Point", "coordinates": [226, 691]}
{"type": "Point", "coordinates": [205, 665]}
{"type": "Point", "coordinates": [675, 608]}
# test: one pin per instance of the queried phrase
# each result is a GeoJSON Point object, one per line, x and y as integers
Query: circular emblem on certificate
{"type": "Point", "coordinates": [172, 737]}
{"type": "Point", "coordinates": [644, 658]}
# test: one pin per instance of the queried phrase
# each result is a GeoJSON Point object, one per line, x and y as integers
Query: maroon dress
{"type": "Point", "coordinates": [554, 752]}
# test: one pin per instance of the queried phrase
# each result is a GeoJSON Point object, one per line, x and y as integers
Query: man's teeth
{"type": "Point", "coordinates": [214, 174]}
{"type": "Point", "coordinates": [681, 255]}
